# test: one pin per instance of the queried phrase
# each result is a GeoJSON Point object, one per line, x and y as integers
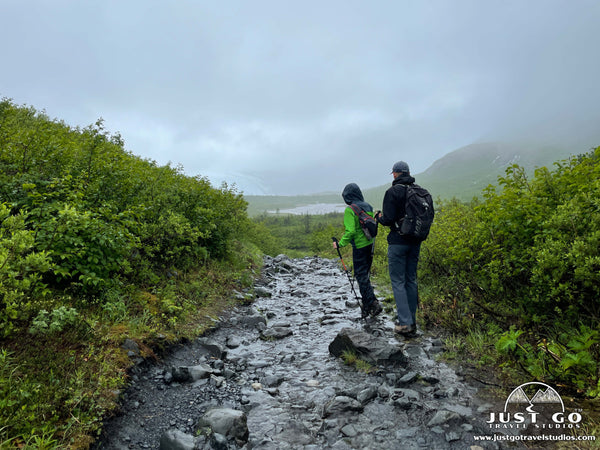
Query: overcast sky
{"type": "Point", "coordinates": [283, 97]}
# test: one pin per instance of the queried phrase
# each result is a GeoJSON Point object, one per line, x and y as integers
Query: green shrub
{"type": "Point", "coordinates": [21, 270]}
{"type": "Point", "coordinates": [525, 260]}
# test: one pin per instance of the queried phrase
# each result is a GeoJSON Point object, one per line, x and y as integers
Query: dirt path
{"type": "Point", "coordinates": [271, 361]}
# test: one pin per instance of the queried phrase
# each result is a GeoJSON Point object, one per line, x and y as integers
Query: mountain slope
{"type": "Point", "coordinates": [462, 173]}
{"type": "Point", "coordinates": [465, 172]}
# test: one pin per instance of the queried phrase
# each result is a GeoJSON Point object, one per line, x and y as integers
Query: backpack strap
{"type": "Point", "coordinates": [399, 220]}
{"type": "Point", "coordinates": [355, 208]}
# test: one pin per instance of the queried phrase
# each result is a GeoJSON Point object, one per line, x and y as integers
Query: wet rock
{"type": "Point", "coordinates": [272, 380]}
{"type": "Point", "coordinates": [373, 349]}
{"type": "Point", "coordinates": [452, 436]}
{"type": "Point", "coordinates": [342, 404]}
{"type": "Point", "coordinates": [276, 333]}
{"type": "Point", "coordinates": [253, 320]}
{"type": "Point", "coordinates": [176, 440]}
{"type": "Point", "coordinates": [190, 374]}
{"type": "Point", "coordinates": [212, 348]}
{"type": "Point", "coordinates": [403, 403]}
{"type": "Point", "coordinates": [407, 379]}
{"type": "Point", "coordinates": [442, 417]}
{"type": "Point", "coordinates": [131, 346]}
{"type": "Point", "coordinates": [218, 442]}
{"type": "Point", "coordinates": [295, 434]}
{"type": "Point", "coordinates": [430, 379]}
{"type": "Point", "coordinates": [231, 423]}
{"type": "Point", "coordinates": [260, 291]}
{"type": "Point", "coordinates": [366, 395]}
{"type": "Point", "coordinates": [349, 430]}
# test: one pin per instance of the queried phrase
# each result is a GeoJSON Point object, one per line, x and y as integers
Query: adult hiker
{"type": "Point", "coordinates": [403, 247]}
{"type": "Point", "coordinates": [362, 247]}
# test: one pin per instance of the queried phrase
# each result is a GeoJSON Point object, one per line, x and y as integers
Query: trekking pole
{"type": "Point", "coordinates": [359, 300]}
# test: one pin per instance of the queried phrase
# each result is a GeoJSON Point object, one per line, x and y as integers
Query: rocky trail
{"type": "Point", "coordinates": [269, 376]}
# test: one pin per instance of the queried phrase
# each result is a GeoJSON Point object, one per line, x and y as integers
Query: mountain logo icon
{"type": "Point", "coordinates": [534, 393]}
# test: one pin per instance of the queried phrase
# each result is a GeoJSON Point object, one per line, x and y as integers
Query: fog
{"type": "Point", "coordinates": [293, 99]}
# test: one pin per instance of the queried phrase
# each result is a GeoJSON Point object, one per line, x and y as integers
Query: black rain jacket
{"type": "Point", "coordinates": [393, 210]}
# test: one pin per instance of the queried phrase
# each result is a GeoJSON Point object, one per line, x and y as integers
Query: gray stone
{"type": "Point", "coordinates": [212, 348]}
{"type": "Point", "coordinates": [218, 442]}
{"type": "Point", "coordinates": [228, 422]}
{"type": "Point", "coordinates": [467, 427]}
{"type": "Point", "coordinates": [366, 395]}
{"type": "Point", "coordinates": [407, 379]}
{"type": "Point", "coordinates": [452, 436]}
{"type": "Point", "coordinates": [410, 394]}
{"type": "Point", "coordinates": [405, 433]}
{"type": "Point", "coordinates": [342, 404]}
{"type": "Point", "coordinates": [403, 403]}
{"type": "Point", "coordinates": [272, 380]}
{"type": "Point", "coordinates": [383, 391]}
{"type": "Point", "coordinates": [373, 349]}
{"type": "Point", "coordinates": [295, 434]}
{"type": "Point", "coordinates": [131, 345]}
{"type": "Point", "coordinates": [260, 291]}
{"type": "Point", "coordinates": [253, 320]}
{"type": "Point", "coordinates": [463, 411]}
{"type": "Point", "coordinates": [349, 430]}
{"type": "Point", "coordinates": [233, 342]}
{"type": "Point", "coordinates": [200, 372]}
{"type": "Point", "coordinates": [276, 333]}
{"type": "Point", "coordinates": [442, 417]}
{"type": "Point", "coordinates": [341, 445]}
{"type": "Point", "coordinates": [189, 374]}
{"type": "Point", "coordinates": [176, 440]}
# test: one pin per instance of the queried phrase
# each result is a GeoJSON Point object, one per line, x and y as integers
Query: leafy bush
{"type": "Point", "coordinates": [101, 214]}
{"type": "Point", "coordinates": [21, 270]}
{"type": "Point", "coordinates": [97, 244]}
{"type": "Point", "coordinates": [526, 259]}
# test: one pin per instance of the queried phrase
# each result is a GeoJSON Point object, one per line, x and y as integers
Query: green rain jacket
{"type": "Point", "coordinates": [353, 234]}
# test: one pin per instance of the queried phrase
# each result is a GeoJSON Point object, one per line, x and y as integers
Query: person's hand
{"type": "Point", "coordinates": [378, 214]}
{"type": "Point", "coordinates": [335, 244]}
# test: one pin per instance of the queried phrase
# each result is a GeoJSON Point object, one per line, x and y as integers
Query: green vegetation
{"type": "Point", "coordinates": [350, 358]}
{"type": "Point", "coordinates": [519, 272]}
{"type": "Point", "coordinates": [98, 246]}
{"type": "Point", "coordinates": [300, 235]}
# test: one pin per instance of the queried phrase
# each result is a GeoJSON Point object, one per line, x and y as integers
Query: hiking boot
{"type": "Point", "coordinates": [405, 330]}
{"type": "Point", "coordinates": [375, 308]}
{"type": "Point", "coordinates": [364, 312]}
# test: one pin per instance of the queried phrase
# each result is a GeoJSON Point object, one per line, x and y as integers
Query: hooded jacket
{"type": "Point", "coordinates": [353, 233]}
{"type": "Point", "coordinates": [393, 210]}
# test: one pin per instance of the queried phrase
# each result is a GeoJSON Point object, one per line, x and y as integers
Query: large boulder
{"type": "Point", "coordinates": [176, 440]}
{"type": "Point", "coordinates": [228, 422]}
{"type": "Point", "coordinates": [184, 374]}
{"type": "Point", "coordinates": [212, 348]}
{"type": "Point", "coordinates": [372, 349]}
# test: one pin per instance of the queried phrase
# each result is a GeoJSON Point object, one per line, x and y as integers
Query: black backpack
{"type": "Point", "coordinates": [419, 213]}
{"type": "Point", "coordinates": [367, 223]}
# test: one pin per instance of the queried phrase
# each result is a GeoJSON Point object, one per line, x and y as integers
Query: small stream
{"type": "Point", "coordinates": [271, 361]}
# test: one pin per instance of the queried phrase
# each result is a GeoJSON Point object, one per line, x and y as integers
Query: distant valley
{"type": "Point", "coordinates": [462, 173]}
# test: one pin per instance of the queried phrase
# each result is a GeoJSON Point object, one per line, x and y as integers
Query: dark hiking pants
{"type": "Point", "coordinates": [362, 259]}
